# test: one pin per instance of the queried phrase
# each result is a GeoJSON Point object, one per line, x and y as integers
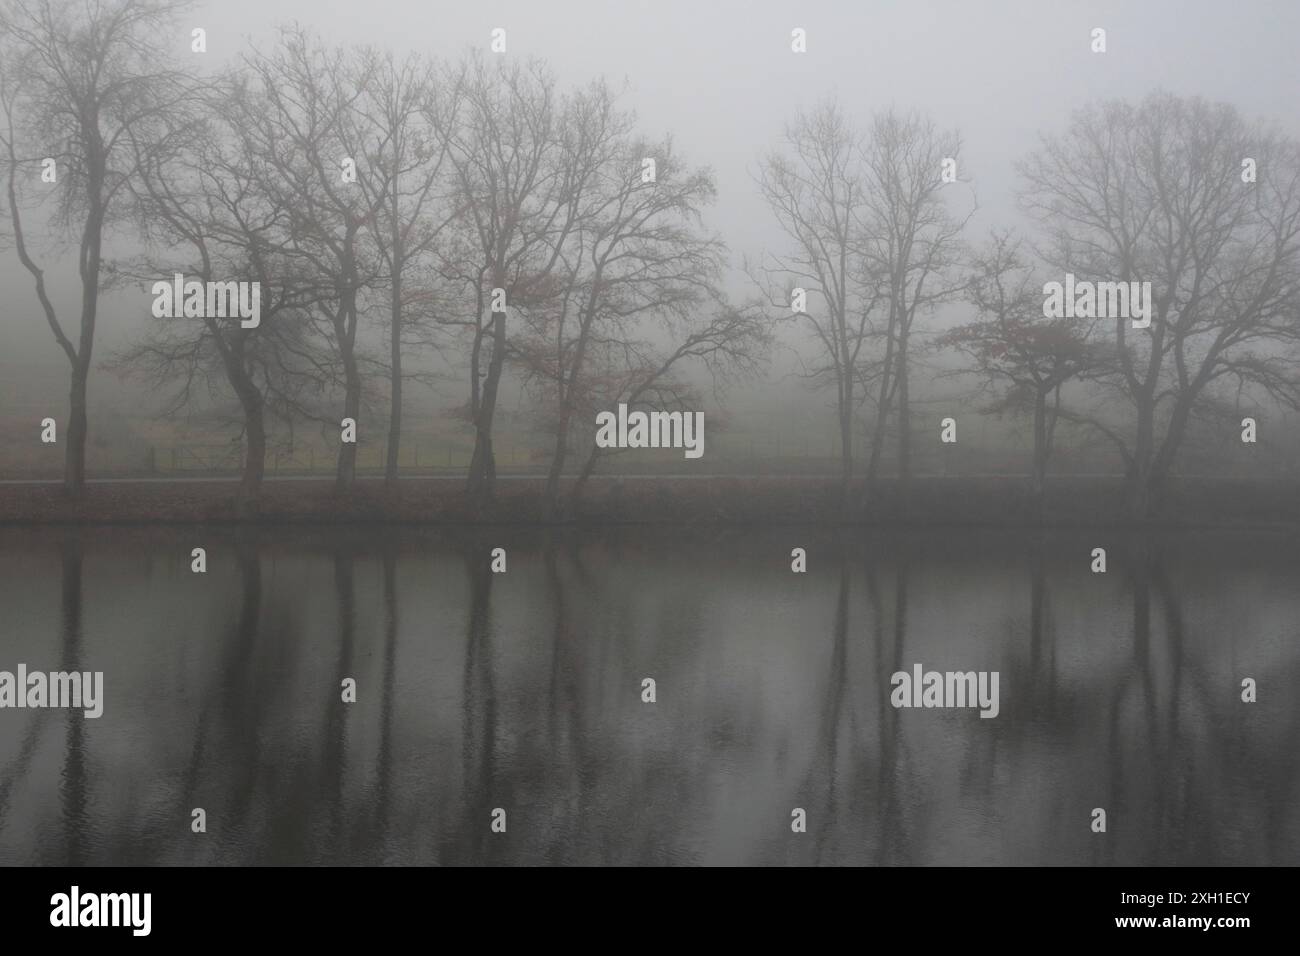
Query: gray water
{"type": "Point", "coordinates": [523, 691]}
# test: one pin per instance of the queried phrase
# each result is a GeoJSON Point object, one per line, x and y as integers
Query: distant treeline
{"type": "Point", "coordinates": [532, 233]}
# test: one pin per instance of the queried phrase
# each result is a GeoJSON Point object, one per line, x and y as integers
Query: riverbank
{"type": "Point", "coordinates": [932, 501]}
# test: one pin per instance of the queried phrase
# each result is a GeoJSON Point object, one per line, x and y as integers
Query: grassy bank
{"type": "Point", "coordinates": [984, 502]}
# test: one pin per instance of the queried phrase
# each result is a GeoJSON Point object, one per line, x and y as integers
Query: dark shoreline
{"type": "Point", "coordinates": [934, 502]}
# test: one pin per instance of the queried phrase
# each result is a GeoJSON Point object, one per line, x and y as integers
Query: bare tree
{"type": "Point", "coordinates": [813, 183]}
{"type": "Point", "coordinates": [204, 211]}
{"type": "Point", "coordinates": [522, 190]}
{"type": "Point", "coordinates": [639, 261]}
{"type": "Point", "coordinates": [1023, 357]}
{"type": "Point", "coordinates": [1159, 192]}
{"type": "Point", "coordinates": [301, 128]}
{"type": "Point", "coordinates": [911, 249]}
{"type": "Point", "coordinates": [724, 341]}
{"type": "Point", "coordinates": [85, 85]}
{"type": "Point", "coordinates": [404, 120]}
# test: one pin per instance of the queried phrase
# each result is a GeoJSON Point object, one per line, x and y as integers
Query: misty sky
{"type": "Point", "coordinates": [720, 75]}
{"type": "Point", "coordinates": [721, 78]}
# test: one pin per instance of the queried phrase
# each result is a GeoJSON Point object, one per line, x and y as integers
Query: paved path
{"type": "Point", "coordinates": [182, 479]}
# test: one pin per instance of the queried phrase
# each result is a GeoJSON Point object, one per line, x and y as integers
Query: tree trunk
{"type": "Point", "coordinates": [552, 501]}
{"type": "Point", "coordinates": [883, 401]}
{"type": "Point", "coordinates": [395, 388]}
{"type": "Point", "coordinates": [873, 460]}
{"type": "Point", "coordinates": [580, 485]}
{"type": "Point", "coordinates": [1163, 459]}
{"type": "Point", "coordinates": [1139, 492]}
{"type": "Point", "coordinates": [74, 466]}
{"type": "Point", "coordinates": [482, 469]}
{"type": "Point", "coordinates": [904, 427]}
{"type": "Point", "coordinates": [480, 464]}
{"type": "Point", "coordinates": [253, 405]}
{"type": "Point", "coordinates": [345, 325]}
{"type": "Point", "coordinates": [347, 465]}
{"type": "Point", "coordinates": [846, 441]}
{"type": "Point", "coordinates": [250, 485]}
{"type": "Point", "coordinates": [74, 475]}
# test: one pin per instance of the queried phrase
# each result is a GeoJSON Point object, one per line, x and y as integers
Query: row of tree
{"type": "Point", "coordinates": [479, 210]}
{"type": "Point", "coordinates": [1185, 194]}
{"type": "Point", "coordinates": [472, 206]}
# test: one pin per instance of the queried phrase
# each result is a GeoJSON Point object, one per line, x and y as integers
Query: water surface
{"type": "Point", "coordinates": [523, 691]}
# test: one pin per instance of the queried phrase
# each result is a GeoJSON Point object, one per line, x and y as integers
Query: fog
{"type": "Point", "coordinates": [721, 79]}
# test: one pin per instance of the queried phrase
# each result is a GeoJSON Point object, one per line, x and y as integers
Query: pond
{"type": "Point", "coordinates": [649, 696]}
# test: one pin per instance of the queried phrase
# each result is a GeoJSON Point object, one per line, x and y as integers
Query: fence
{"type": "Point", "coordinates": [806, 455]}
{"type": "Point", "coordinates": [198, 460]}
{"type": "Point", "coordinates": [982, 448]}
